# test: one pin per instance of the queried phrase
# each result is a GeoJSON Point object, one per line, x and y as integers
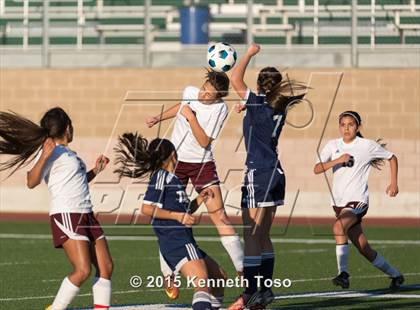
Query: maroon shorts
{"type": "Point", "coordinates": [202, 175]}
{"type": "Point", "coordinates": [75, 226]}
{"type": "Point", "coordinates": [357, 207]}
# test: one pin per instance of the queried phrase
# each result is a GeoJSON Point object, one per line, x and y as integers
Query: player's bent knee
{"type": "Point", "coordinates": [82, 272]}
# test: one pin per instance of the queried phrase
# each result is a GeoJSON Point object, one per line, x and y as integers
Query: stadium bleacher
{"type": "Point", "coordinates": [282, 22]}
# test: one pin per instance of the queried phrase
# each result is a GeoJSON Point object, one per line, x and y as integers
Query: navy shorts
{"type": "Point", "coordinates": [263, 188]}
{"type": "Point", "coordinates": [178, 257]}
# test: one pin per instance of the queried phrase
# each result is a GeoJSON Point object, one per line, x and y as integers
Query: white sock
{"type": "Point", "coordinates": [234, 248]}
{"type": "Point", "coordinates": [65, 295]}
{"type": "Point", "coordinates": [342, 253]}
{"type": "Point", "coordinates": [380, 263]}
{"type": "Point", "coordinates": [101, 292]}
{"type": "Point", "coordinates": [216, 302]}
{"type": "Point", "coordinates": [164, 268]}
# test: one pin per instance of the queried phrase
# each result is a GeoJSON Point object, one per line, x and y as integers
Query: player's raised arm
{"type": "Point", "coordinates": [101, 163]}
{"type": "Point", "coordinates": [392, 189]}
{"type": "Point", "coordinates": [167, 114]}
{"type": "Point", "coordinates": [34, 176]}
{"type": "Point", "coordinates": [238, 72]}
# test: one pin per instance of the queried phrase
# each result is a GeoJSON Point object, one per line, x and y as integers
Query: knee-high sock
{"type": "Point", "coordinates": [233, 246]}
{"type": "Point", "coordinates": [380, 263]}
{"type": "Point", "coordinates": [342, 253]}
{"type": "Point", "coordinates": [65, 295]}
{"type": "Point", "coordinates": [251, 268]}
{"type": "Point", "coordinates": [101, 293]}
{"type": "Point", "coordinates": [201, 301]}
{"type": "Point", "coordinates": [267, 267]}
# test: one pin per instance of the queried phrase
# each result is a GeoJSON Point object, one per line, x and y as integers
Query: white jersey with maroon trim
{"type": "Point", "coordinates": [209, 116]}
{"type": "Point", "coordinates": [351, 183]}
{"type": "Point", "coordinates": [65, 175]}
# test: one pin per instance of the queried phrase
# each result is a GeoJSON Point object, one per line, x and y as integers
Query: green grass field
{"type": "Point", "coordinates": [32, 270]}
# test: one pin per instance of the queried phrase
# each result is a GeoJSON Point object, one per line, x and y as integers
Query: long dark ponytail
{"type": "Point", "coordinates": [280, 94]}
{"type": "Point", "coordinates": [377, 162]}
{"type": "Point", "coordinates": [22, 139]}
{"type": "Point", "coordinates": [137, 157]}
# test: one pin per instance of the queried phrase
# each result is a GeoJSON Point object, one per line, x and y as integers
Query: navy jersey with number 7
{"type": "Point", "coordinates": [166, 191]}
{"type": "Point", "coordinates": [261, 127]}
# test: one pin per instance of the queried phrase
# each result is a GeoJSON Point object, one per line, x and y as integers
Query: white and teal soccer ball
{"type": "Point", "coordinates": [221, 57]}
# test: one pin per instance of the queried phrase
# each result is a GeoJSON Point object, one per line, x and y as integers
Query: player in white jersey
{"type": "Point", "coordinates": [199, 119]}
{"type": "Point", "coordinates": [73, 225]}
{"type": "Point", "coordinates": [351, 158]}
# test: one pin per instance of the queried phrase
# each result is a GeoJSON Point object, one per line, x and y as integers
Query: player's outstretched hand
{"type": "Point", "coordinates": [152, 121]}
{"type": "Point", "coordinates": [392, 190]}
{"type": "Point", "coordinates": [48, 148]}
{"type": "Point", "coordinates": [101, 162]}
{"type": "Point", "coordinates": [207, 193]}
{"type": "Point", "coordinates": [253, 49]}
{"type": "Point", "coordinates": [239, 107]}
{"type": "Point", "coordinates": [186, 219]}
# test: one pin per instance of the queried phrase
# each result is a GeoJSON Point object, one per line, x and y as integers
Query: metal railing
{"type": "Point", "coordinates": [81, 12]}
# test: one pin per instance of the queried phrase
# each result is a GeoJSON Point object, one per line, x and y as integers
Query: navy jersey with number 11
{"type": "Point", "coordinates": [166, 191]}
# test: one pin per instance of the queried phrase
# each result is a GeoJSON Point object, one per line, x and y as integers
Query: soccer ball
{"type": "Point", "coordinates": [221, 57]}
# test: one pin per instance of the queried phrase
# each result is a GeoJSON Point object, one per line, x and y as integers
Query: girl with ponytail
{"type": "Point", "coordinates": [167, 203]}
{"type": "Point", "coordinates": [264, 185]}
{"type": "Point", "coordinates": [351, 158]}
{"type": "Point", "coordinates": [74, 227]}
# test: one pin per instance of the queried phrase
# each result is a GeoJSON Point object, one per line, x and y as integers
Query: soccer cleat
{"type": "Point", "coordinates": [267, 297]}
{"type": "Point", "coordinates": [48, 308]}
{"type": "Point", "coordinates": [342, 280]}
{"type": "Point", "coordinates": [396, 282]}
{"type": "Point", "coordinates": [238, 304]}
{"type": "Point", "coordinates": [170, 289]}
{"type": "Point", "coordinates": [256, 302]}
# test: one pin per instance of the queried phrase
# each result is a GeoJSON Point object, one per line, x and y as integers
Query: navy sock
{"type": "Point", "coordinates": [251, 268]}
{"type": "Point", "coordinates": [201, 301]}
{"type": "Point", "coordinates": [267, 267]}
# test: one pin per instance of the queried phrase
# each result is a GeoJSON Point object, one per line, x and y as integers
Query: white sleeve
{"type": "Point", "coordinates": [326, 154]}
{"type": "Point", "coordinates": [190, 93]}
{"type": "Point", "coordinates": [215, 124]}
{"type": "Point", "coordinates": [378, 151]}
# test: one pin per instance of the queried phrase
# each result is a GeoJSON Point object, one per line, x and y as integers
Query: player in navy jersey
{"type": "Point", "coordinates": [264, 185]}
{"type": "Point", "coordinates": [167, 202]}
